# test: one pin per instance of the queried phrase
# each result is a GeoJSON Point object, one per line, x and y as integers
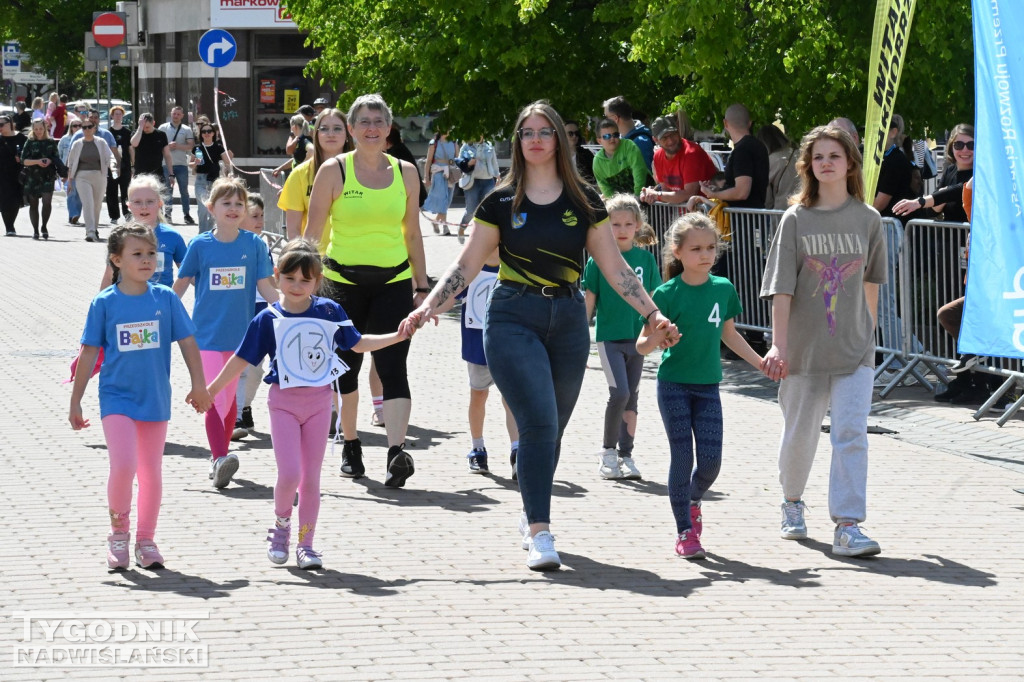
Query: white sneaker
{"type": "Point", "coordinates": [851, 541]}
{"type": "Point", "coordinates": [223, 469]}
{"type": "Point", "coordinates": [611, 465]}
{"type": "Point", "coordinates": [543, 556]}
{"type": "Point", "coordinates": [524, 529]}
{"type": "Point", "coordinates": [629, 470]}
{"type": "Point", "coordinates": [793, 525]}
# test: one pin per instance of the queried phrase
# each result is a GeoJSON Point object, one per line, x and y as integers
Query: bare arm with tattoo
{"type": "Point", "coordinates": [623, 279]}
{"type": "Point", "coordinates": [483, 240]}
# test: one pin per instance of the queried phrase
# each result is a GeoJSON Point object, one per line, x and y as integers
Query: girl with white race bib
{"type": "Point", "coordinates": [300, 334]}
{"type": "Point", "coordinates": [135, 322]}
{"type": "Point", "coordinates": [227, 266]}
{"type": "Point", "coordinates": [702, 306]}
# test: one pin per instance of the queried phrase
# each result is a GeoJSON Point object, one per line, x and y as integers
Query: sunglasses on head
{"type": "Point", "coordinates": [959, 145]}
{"type": "Point", "coordinates": [610, 136]}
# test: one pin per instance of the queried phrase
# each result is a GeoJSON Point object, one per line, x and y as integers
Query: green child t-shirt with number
{"type": "Point", "coordinates": [699, 313]}
{"type": "Point", "coordinates": [616, 319]}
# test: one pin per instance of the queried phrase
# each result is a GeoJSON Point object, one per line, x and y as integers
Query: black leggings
{"type": "Point", "coordinates": [33, 209]}
{"type": "Point", "coordinates": [375, 310]}
{"type": "Point", "coordinates": [10, 204]}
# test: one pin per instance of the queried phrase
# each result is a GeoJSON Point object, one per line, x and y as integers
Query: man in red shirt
{"type": "Point", "coordinates": [679, 165]}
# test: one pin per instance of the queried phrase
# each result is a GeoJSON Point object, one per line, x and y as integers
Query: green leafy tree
{"type": "Point", "coordinates": [805, 60]}
{"type": "Point", "coordinates": [479, 63]}
{"type": "Point", "coordinates": [51, 32]}
{"type": "Point", "coordinates": [802, 60]}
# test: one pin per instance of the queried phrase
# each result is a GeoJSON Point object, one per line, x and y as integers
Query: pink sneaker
{"type": "Point", "coordinates": [117, 551]}
{"type": "Point", "coordinates": [147, 555]}
{"type": "Point", "coordinates": [696, 520]}
{"type": "Point", "coordinates": [688, 545]}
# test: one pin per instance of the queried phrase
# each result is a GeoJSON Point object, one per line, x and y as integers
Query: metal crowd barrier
{"type": "Point", "coordinates": [752, 231]}
{"type": "Point", "coordinates": [933, 266]}
{"type": "Point", "coordinates": [274, 232]}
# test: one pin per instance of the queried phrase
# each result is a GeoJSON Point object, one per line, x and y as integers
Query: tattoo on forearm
{"type": "Point", "coordinates": [452, 285]}
{"type": "Point", "coordinates": [629, 285]}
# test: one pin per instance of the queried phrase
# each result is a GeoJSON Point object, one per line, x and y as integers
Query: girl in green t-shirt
{"type": "Point", "coordinates": [617, 329]}
{"type": "Point", "coordinates": [702, 306]}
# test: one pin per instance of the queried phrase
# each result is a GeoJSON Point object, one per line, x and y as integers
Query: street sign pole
{"type": "Point", "coordinates": [110, 72]}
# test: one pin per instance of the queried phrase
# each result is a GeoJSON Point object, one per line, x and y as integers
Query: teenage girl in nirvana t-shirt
{"type": "Point", "coordinates": [825, 265]}
{"type": "Point", "coordinates": [536, 337]}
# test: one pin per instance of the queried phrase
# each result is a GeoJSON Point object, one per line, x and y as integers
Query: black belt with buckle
{"type": "Point", "coordinates": [545, 291]}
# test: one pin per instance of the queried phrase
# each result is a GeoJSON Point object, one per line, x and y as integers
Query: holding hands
{"type": "Point", "coordinates": [774, 364]}
{"type": "Point", "coordinates": [200, 399]}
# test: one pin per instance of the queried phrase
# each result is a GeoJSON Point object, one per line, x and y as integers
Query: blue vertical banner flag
{"type": "Point", "coordinates": [993, 322]}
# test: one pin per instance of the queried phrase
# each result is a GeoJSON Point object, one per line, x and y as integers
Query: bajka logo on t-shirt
{"type": "Point", "coordinates": [138, 335]}
{"type": "Point", "coordinates": [518, 220]}
{"type": "Point", "coordinates": [227, 279]}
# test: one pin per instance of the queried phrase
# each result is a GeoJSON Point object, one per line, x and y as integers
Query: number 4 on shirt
{"type": "Point", "coordinates": [715, 317]}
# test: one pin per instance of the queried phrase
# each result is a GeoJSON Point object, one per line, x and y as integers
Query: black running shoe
{"type": "Point", "coordinates": [352, 459]}
{"type": "Point", "coordinates": [512, 461]}
{"type": "Point", "coordinates": [400, 467]}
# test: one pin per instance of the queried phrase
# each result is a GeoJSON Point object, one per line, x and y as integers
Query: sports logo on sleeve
{"type": "Point", "coordinates": [138, 336]}
{"type": "Point", "coordinates": [227, 279]}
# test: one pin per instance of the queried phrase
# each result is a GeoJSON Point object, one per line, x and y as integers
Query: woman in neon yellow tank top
{"type": "Point", "coordinates": [373, 263]}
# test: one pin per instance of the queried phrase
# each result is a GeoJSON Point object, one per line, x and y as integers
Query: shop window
{"type": "Point", "coordinates": [279, 91]}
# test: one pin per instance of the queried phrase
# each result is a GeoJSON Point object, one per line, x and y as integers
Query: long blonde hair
{"type": "Point", "coordinates": [645, 235]}
{"type": "Point", "coordinates": [566, 169]}
{"type": "Point", "coordinates": [809, 186]}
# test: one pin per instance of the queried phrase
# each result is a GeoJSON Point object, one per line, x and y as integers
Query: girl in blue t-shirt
{"type": "Point", "coordinates": [702, 306]}
{"type": "Point", "coordinates": [617, 329]}
{"type": "Point", "coordinates": [300, 334]}
{"type": "Point", "coordinates": [227, 266]}
{"type": "Point", "coordinates": [135, 322]}
{"type": "Point", "coordinates": [146, 202]}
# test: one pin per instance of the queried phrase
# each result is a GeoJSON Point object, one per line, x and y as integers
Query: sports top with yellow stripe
{"type": "Point", "coordinates": [366, 225]}
{"type": "Point", "coordinates": [541, 245]}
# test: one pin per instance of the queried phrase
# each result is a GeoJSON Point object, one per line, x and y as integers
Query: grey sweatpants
{"type": "Point", "coordinates": [804, 401]}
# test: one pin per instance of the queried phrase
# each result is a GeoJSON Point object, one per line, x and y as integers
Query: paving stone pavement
{"type": "Point", "coordinates": [429, 582]}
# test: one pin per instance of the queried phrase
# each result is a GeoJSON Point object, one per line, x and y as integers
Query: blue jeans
{"type": "Point", "coordinates": [181, 177]}
{"type": "Point", "coordinates": [536, 349]}
{"type": "Point", "coordinates": [202, 194]}
{"type": "Point", "coordinates": [74, 203]}
{"type": "Point", "coordinates": [690, 412]}
{"type": "Point", "coordinates": [474, 195]}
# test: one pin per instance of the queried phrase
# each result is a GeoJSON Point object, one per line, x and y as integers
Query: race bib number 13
{"type": "Point", "coordinates": [305, 352]}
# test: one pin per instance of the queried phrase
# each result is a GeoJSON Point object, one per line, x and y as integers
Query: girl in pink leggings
{"type": "Point", "coordinates": [227, 266]}
{"type": "Point", "coordinates": [300, 334]}
{"type": "Point", "coordinates": [135, 322]}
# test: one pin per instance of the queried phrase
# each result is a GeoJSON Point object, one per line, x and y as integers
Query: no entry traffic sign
{"type": "Point", "coordinates": [108, 30]}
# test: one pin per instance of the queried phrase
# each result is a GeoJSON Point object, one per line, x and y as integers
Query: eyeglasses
{"type": "Point", "coordinates": [531, 134]}
{"type": "Point", "coordinates": [374, 123]}
{"type": "Point", "coordinates": [610, 136]}
{"type": "Point", "coordinates": [331, 130]}
{"type": "Point", "coordinates": [207, 131]}
{"type": "Point", "coordinates": [959, 146]}
{"type": "Point", "coordinates": [572, 133]}
{"type": "Point", "coordinates": [88, 127]}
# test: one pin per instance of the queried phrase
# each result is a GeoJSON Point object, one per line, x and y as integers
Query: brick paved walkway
{"type": "Point", "coordinates": [429, 582]}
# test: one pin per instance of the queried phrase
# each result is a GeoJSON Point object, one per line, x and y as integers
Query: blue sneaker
{"type": "Point", "coordinates": [478, 461]}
